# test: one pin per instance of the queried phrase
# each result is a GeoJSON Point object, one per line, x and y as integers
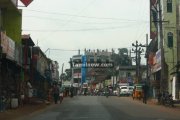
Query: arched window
{"type": "Point", "coordinates": [169, 5]}
{"type": "Point", "coordinates": [170, 39]}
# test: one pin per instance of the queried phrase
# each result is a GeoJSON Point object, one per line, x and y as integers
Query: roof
{"type": "Point", "coordinates": [27, 38]}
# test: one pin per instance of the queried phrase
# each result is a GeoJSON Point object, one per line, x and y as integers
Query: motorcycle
{"type": "Point", "coordinates": [167, 99]}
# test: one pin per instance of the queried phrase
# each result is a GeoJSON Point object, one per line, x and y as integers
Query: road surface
{"type": "Point", "coordinates": [102, 108]}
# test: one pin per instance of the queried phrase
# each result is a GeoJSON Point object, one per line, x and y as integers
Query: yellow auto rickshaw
{"type": "Point", "coordinates": [137, 92]}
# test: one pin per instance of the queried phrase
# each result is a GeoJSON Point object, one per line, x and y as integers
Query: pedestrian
{"type": "Point", "coordinates": [61, 95]}
{"type": "Point", "coordinates": [145, 91]}
{"type": "Point", "coordinates": [107, 91]}
{"type": "Point", "coordinates": [71, 91]}
{"type": "Point", "coordinates": [30, 91]}
{"type": "Point", "coordinates": [22, 98]}
{"type": "Point", "coordinates": [55, 92]}
{"type": "Point", "coordinates": [2, 103]}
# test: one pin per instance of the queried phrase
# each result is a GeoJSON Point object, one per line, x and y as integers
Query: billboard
{"type": "Point", "coordinates": [8, 46]}
{"type": "Point", "coordinates": [83, 70]}
{"type": "Point", "coordinates": [157, 62]}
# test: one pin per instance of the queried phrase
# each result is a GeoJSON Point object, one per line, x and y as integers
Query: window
{"type": "Point", "coordinates": [91, 60]}
{"type": "Point", "coordinates": [169, 5]}
{"type": "Point", "coordinates": [170, 40]}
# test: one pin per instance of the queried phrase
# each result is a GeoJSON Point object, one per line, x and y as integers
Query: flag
{"type": "Point", "coordinates": [26, 2]}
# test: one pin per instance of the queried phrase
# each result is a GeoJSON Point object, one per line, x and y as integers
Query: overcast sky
{"type": "Point", "coordinates": [61, 27]}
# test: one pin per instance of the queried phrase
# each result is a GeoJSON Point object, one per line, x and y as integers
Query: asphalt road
{"type": "Point", "coordinates": [102, 108]}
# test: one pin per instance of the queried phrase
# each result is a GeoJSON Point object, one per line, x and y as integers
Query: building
{"type": "Point", "coordinates": [10, 49]}
{"type": "Point", "coordinates": [162, 50]}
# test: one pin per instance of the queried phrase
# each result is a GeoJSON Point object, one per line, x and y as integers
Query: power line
{"type": "Point", "coordinates": [82, 16]}
{"type": "Point", "coordinates": [88, 29]}
{"type": "Point", "coordinates": [115, 22]}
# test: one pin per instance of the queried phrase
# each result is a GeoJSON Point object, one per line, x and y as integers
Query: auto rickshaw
{"type": "Point", "coordinates": [137, 92]}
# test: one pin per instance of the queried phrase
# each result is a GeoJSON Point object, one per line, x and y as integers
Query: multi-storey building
{"type": "Point", "coordinates": [10, 49]}
{"type": "Point", "coordinates": [163, 55]}
{"type": "Point", "coordinates": [76, 71]}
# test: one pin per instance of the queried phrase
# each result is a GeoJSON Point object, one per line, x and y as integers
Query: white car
{"type": "Point", "coordinates": [124, 91]}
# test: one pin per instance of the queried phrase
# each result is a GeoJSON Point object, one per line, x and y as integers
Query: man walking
{"type": "Point", "coordinates": [55, 92]}
{"type": "Point", "coordinates": [145, 91]}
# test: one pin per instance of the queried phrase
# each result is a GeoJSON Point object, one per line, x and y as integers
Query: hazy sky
{"type": "Point", "coordinates": [69, 25]}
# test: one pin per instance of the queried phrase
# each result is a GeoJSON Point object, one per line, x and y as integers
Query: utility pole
{"type": "Point", "coordinates": [147, 66]}
{"type": "Point", "coordinates": [138, 52]}
{"type": "Point", "coordinates": [162, 80]}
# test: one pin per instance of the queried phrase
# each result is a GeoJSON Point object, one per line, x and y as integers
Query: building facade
{"type": "Point", "coordinates": [163, 49]}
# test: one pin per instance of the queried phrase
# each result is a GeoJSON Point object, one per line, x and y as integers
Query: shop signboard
{"type": "Point", "coordinates": [11, 49]}
{"type": "Point", "coordinates": [4, 42]}
{"type": "Point", "coordinates": [77, 75]}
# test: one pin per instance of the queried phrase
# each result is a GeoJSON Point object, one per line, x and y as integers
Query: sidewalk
{"type": "Point", "coordinates": [20, 112]}
{"type": "Point", "coordinates": [155, 102]}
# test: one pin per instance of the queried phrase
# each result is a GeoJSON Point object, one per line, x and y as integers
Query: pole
{"type": "Point", "coordinates": [162, 80]}
{"type": "Point", "coordinates": [147, 66]}
{"type": "Point", "coordinates": [136, 61]}
{"type": "Point", "coordinates": [62, 68]}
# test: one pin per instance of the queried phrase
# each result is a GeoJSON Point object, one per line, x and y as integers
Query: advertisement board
{"type": "Point", "coordinates": [4, 42]}
{"type": "Point", "coordinates": [11, 49]}
{"type": "Point", "coordinates": [83, 70]}
{"type": "Point", "coordinates": [8, 46]}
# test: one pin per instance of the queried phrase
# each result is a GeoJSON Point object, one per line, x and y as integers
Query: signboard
{"type": "Point", "coordinates": [83, 70]}
{"type": "Point", "coordinates": [11, 48]}
{"type": "Point", "coordinates": [157, 62]}
{"type": "Point", "coordinates": [8, 46]}
{"type": "Point", "coordinates": [94, 65]}
{"type": "Point", "coordinates": [4, 42]}
{"type": "Point", "coordinates": [77, 75]}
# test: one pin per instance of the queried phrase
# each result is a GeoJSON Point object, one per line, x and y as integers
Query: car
{"type": "Point", "coordinates": [124, 91]}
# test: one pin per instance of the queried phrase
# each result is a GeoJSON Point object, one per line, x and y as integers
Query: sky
{"type": "Point", "coordinates": [62, 27]}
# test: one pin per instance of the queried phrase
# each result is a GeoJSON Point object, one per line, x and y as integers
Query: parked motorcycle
{"type": "Point", "coordinates": [166, 99]}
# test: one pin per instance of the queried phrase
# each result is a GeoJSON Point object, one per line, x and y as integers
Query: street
{"type": "Point", "coordinates": [102, 108]}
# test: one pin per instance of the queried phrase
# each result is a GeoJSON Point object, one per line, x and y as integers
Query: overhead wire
{"type": "Point", "coordinates": [89, 17]}
{"type": "Point", "coordinates": [87, 29]}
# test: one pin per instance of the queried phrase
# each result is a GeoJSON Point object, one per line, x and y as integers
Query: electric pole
{"type": "Point", "coordinates": [138, 52]}
{"type": "Point", "coordinates": [162, 80]}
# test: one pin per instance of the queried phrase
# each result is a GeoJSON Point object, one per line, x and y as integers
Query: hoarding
{"type": "Point", "coordinates": [83, 70]}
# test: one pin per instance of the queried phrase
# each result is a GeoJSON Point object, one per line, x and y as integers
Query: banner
{"type": "Point", "coordinates": [83, 70]}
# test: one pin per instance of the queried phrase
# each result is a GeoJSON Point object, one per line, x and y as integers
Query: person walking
{"type": "Point", "coordinates": [107, 91]}
{"type": "Point", "coordinates": [55, 92]}
{"type": "Point", "coordinates": [145, 91]}
{"type": "Point", "coordinates": [61, 95]}
{"type": "Point", "coordinates": [71, 91]}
